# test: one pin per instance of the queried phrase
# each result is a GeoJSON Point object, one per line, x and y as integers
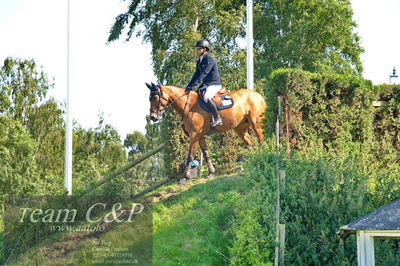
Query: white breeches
{"type": "Point", "coordinates": [211, 91]}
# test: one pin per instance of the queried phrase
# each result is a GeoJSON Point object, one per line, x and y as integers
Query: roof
{"type": "Point", "coordinates": [384, 218]}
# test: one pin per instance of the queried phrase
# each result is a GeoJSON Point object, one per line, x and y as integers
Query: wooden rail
{"type": "Point", "coordinates": [124, 168]}
{"type": "Point", "coordinates": [152, 187]}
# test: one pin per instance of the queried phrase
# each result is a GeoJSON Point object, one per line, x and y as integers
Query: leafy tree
{"type": "Point", "coordinates": [173, 28]}
{"type": "Point", "coordinates": [23, 98]}
{"type": "Point", "coordinates": [22, 87]}
{"type": "Point", "coordinates": [147, 171]}
{"type": "Point", "coordinates": [136, 142]}
{"type": "Point", "coordinates": [46, 125]}
{"type": "Point", "coordinates": [96, 152]}
{"type": "Point", "coordinates": [344, 163]}
{"type": "Point", "coordinates": [322, 192]}
{"type": "Point", "coordinates": [18, 170]}
{"type": "Point", "coordinates": [23, 91]}
{"type": "Point", "coordinates": [315, 35]}
{"type": "Point", "coordinates": [153, 133]}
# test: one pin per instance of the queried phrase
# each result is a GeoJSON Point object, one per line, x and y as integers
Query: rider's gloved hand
{"type": "Point", "coordinates": [188, 89]}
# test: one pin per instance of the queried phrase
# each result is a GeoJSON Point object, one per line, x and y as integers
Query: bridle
{"type": "Point", "coordinates": [159, 92]}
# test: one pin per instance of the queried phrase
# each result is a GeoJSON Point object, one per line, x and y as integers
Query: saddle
{"type": "Point", "coordinates": [221, 99]}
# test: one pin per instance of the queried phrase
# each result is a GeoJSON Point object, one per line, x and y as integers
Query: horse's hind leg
{"type": "Point", "coordinates": [242, 131]}
{"type": "Point", "coordinates": [204, 149]}
{"type": "Point", "coordinates": [256, 124]}
{"type": "Point", "coordinates": [184, 131]}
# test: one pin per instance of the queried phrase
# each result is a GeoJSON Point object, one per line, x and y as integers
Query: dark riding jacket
{"type": "Point", "coordinates": [206, 72]}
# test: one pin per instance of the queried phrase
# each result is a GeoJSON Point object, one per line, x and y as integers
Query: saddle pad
{"type": "Point", "coordinates": [226, 102]}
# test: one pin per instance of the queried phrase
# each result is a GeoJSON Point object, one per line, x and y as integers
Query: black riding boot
{"type": "Point", "coordinates": [215, 115]}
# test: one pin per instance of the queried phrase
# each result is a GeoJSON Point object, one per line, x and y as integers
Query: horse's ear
{"type": "Point", "coordinates": [155, 87]}
{"type": "Point", "coordinates": [148, 85]}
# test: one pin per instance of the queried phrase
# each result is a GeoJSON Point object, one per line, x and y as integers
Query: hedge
{"type": "Point", "coordinates": [336, 113]}
{"type": "Point", "coordinates": [344, 163]}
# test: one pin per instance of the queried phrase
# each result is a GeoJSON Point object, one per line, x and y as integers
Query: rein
{"type": "Point", "coordinates": [170, 104]}
{"type": "Point", "coordinates": [186, 93]}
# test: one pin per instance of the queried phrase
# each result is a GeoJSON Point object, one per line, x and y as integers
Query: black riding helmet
{"type": "Point", "coordinates": [203, 43]}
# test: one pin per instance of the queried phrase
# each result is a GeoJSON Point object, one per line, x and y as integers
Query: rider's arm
{"type": "Point", "coordinates": [202, 71]}
{"type": "Point", "coordinates": [193, 82]}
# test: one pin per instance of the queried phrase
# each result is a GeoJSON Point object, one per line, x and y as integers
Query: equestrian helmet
{"type": "Point", "coordinates": [203, 43]}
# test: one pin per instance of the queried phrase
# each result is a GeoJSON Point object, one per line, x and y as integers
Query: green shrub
{"type": "Point", "coordinates": [386, 120]}
{"type": "Point", "coordinates": [388, 252]}
{"type": "Point", "coordinates": [176, 146]}
{"type": "Point", "coordinates": [320, 195]}
{"type": "Point", "coordinates": [322, 105]}
{"type": "Point", "coordinates": [335, 113]}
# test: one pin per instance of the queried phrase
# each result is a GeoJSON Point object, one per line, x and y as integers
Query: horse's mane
{"type": "Point", "coordinates": [173, 86]}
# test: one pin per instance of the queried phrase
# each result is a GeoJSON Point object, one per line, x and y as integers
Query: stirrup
{"type": "Point", "coordinates": [219, 122]}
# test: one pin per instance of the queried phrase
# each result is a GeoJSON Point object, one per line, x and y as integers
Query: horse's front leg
{"type": "Point", "coordinates": [204, 149]}
{"type": "Point", "coordinates": [192, 150]}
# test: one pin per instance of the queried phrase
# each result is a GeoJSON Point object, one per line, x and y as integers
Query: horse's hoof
{"type": "Point", "coordinates": [182, 182]}
{"type": "Point", "coordinates": [188, 174]}
{"type": "Point", "coordinates": [211, 170]}
{"type": "Point", "coordinates": [212, 131]}
{"type": "Point", "coordinates": [210, 175]}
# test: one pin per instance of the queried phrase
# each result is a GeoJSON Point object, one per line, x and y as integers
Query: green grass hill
{"type": "Point", "coordinates": [191, 226]}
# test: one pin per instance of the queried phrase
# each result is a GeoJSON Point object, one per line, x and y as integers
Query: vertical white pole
{"type": "Point", "coordinates": [370, 248]}
{"type": "Point", "coordinates": [249, 37]}
{"type": "Point", "coordinates": [365, 249]}
{"type": "Point", "coordinates": [68, 127]}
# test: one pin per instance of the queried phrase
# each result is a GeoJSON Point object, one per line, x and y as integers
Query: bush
{"type": "Point", "coordinates": [176, 146]}
{"type": "Point", "coordinates": [386, 120]}
{"type": "Point", "coordinates": [320, 195]}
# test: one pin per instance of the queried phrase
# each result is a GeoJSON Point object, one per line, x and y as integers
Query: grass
{"type": "Point", "coordinates": [190, 226]}
{"type": "Point", "coordinates": [193, 227]}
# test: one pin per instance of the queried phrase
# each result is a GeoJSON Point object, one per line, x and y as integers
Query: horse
{"type": "Point", "coordinates": [248, 110]}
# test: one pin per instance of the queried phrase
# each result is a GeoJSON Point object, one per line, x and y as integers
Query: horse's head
{"type": "Point", "coordinates": [158, 102]}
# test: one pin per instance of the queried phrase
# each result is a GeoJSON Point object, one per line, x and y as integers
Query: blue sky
{"type": "Point", "coordinates": [110, 78]}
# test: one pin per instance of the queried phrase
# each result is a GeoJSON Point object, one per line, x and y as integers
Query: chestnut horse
{"type": "Point", "coordinates": [248, 110]}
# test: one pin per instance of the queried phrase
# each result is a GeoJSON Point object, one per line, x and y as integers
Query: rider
{"type": "Point", "coordinates": [207, 74]}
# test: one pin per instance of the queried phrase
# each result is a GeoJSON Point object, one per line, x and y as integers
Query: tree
{"type": "Point", "coordinates": [22, 87]}
{"type": "Point", "coordinates": [23, 92]}
{"type": "Point", "coordinates": [173, 28]}
{"type": "Point", "coordinates": [147, 171]}
{"type": "Point", "coordinates": [136, 142]}
{"type": "Point", "coordinates": [96, 151]}
{"type": "Point", "coordinates": [315, 35]}
{"type": "Point", "coordinates": [18, 175]}
{"type": "Point", "coordinates": [45, 124]}
{"type": "Point", "coordinates": [23, 98]}
{"type": "Point", "coordinates": [153, 132]}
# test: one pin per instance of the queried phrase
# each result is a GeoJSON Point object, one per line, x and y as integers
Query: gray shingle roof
{"type": "Point", "coordinates": [384, 218]}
